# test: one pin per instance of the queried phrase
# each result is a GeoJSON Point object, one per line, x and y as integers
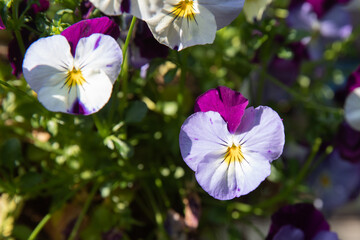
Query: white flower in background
{"type": "Point", "coordinates": [178, 23]}
{"type": "Point", "coordinates": [352, 109]}
{"type": "Point", "coordinates": [254, 9]}
{"type": "Point", "coordinates": [79, 84]}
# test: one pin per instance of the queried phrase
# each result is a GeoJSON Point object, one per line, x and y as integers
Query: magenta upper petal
{"type": "Point", "coordinates": [353, 81]}
{"type": "Point", "coordinates": [228, 103]}
{"type": "Point", "coordinates": [90, 26]}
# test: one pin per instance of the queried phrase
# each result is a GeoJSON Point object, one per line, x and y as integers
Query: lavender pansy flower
{"type": "Point", "coordinates": [320, 7]}
{"type": "Point", "coordinates": [335, 181]}
{"type": "Point", "coordinates": [334, 25]}
{"type": "Point", "coordinates": [74, 75]}
{"type": "Point", "coordinates": [230, 148]}
{"type": "Point", "coordinates": [299, 222]}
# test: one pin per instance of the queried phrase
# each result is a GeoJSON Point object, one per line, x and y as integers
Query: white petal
{"type": "Point", "coordinates": [253, 170]}
{"type": "Point", "coordinates": [94, 93]}
{"type": "Point", "coordinates": [261, 131]}
{"type": "Point", "coordinates": [47, 61]}
{"type": "Point", "coordinates": [352, 109]}
{"type": "Point", "coordinates": [201, 134]}
{"type": "Point", "coordinates": [225, 11]}
{"type": "Point", "coordinates": [145, 9]}
{"type": "Point", "coordinates": [109, 7]}
{"type": "Point", "coordinates": [217, 178]}
{"type": "Point", "coordinates": [99, 52]}
{"type": "Point", "coordinates": [57, 98]}
{"type": "Point", "coordinates": [180, 33]}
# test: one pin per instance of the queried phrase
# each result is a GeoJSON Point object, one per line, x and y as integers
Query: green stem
{"type": "Point", "coordinates": [83, 211]}
{"type": "Point", "coordinates": [181, 93]}
{"type": "Point", "coordinates": [128, 37]}
{"type": "Point", "coordinates": [39, 226]}
{"type": "Point", "coordinates": [17, 27]}
{"type": "Point", "coordinates": [307, 102]}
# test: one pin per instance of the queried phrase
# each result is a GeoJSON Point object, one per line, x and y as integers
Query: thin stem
{"type": "Point", "coordinates": [181, 93]}
{"type": "Point", "coordinates": [128, 37]}
{"type": "Point", "coordinates": [39, 226]}
{"type": "Point", "coordinates": [83, 211]}
{"type": "Point", "coordinates": [17, 27]}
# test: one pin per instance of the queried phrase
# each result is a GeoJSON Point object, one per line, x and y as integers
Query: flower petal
{"type": "Point", "coordinates": [112, 7]}
{"type": "Point", "coordinates": [326, 235]}
{"type": "Point", "coordinates": [289, 232]}
{"type": "Point", "coordinates": [180, 32]}
{"type": "Point", "coordinates": [225, 11]}
{"type": "Point", "coordinates": [145, 9]}
{"type": "Point", "coordinates": [99, 53]}
{"type": "Point", "coordinates": [2, 25]}
{"type": "Point", "coordinates": [261, 131]}
{"type": "Point", "coordinates": [352, 109]}
{"type": "Point", "coordinates": [88, 27]}
{"type": "Point", "coordinates": [228, 103]}
{"type": "Point", "coordinates": [202, 134]}
{"type": "Point", "coordinates": [46, 62]}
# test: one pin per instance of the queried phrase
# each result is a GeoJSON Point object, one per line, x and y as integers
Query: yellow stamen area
{"type": "Point", "coordinates": [325, 180]}
{"type": "Point", "coordinates": [74, 78]}
{"type": "Point", "coordinates": [184, 9]}
{"type": "Point", "coordinates": [233, 153]}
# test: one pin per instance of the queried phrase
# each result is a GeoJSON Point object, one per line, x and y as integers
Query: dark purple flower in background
{"type": "Point", "coordinates": [320, 7]}
{"type": "Point", "coordinates": [348, 143]}
{"type": "Point", "coordinates": [85, 9]}
{"type": "Point", "coordinates": [299, 222]}
{"type": "Point", "coordinates": [113, 234]}
{"type": "Point", "coordinates": [353, 81]}
{"type": "Point", "coordinates": [287, 70]}
{"type": "Point", "coordinates": [87, 27]}
{"type": "Point", "coordinates": [14, 55]}
{"type": "Point", "coordinates": [145, 47]}
{"type": "Point", "coordinates": [2, 26]}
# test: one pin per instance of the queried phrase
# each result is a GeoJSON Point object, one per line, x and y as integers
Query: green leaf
{"type": "Point", "coordinates": [10, 153]}
{"type": "Point", "coordinates": [170, 75]}
{"type": "Point", "coordinates": [136, 112]}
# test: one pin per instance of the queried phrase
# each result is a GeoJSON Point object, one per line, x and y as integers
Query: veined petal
{"type": "Point", "coordinates": [99, 53]}
{"type": "Point", "coordinates": [46, 62]}
{"type": "Point", "coordinates": [352, 109]}
{"type": "Point", "coordinates": [288, 232]}
{"type": "Point", "coordinates": [93, 94]}
{"type": "Point", "coordinates": [225, 11]}
{"type": "Point", "coordinates": [218, 178]}
{"type": "Point", "coordinates": [180, 31]}
{"type": "Point", "coordinates": [201, 134]}
{"type": "Point", "coordinates": [261, 131]}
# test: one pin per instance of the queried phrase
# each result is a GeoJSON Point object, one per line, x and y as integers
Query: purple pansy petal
{"type": "Point", "coordinates": [261, 131]}
{"type": "Point", "coordinates": [228, 103]}
{"type": "Point", "coordinates": [302, 17]}
{"type": "Point", "coordinates": [348, 143]}
{"type": "Point", "coordinates": [326, 235]}
{"type": "Point", "coordinates": [2, 25]}
{"type": "Point", "coordinates": [353, 80]}
{"type": "Point", "coordinates": [112, 7]}
{"type": "Point", "coordinates": [302, 216]}
{"type": "Point", "coordinates": [289, 232]}
{"type": "Point", "coordinates": [336, 24]}
{"type": "Point", "coordinates": [201, 134]}
{"type": "Point", "coordinates": [88, 27]}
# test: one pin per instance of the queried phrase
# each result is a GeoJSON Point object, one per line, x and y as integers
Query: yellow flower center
{"type": "Point", "coordinates": [74, 78]}
{"type": "Point", "coordinates": [233, 153]}
{"type": "Point", "coordinates": [184, 9]}
{"type": "Point", "coordinates": [325, 180]}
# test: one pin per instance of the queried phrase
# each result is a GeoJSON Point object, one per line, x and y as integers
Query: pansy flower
{"type": "Point", "coordinates": [230, 148]}
{"type": "Point", "coordinates": [178, 23]}
{"type": "Point", "coordinates": [331, 25]}
{"type": "Point", "coordinates": [299, 222]}
{"type": "Point", "coordinates": [74, 72]}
